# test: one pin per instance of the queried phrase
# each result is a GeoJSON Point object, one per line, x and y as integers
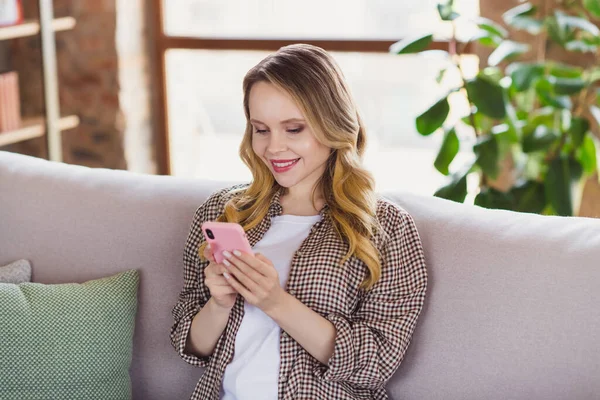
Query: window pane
{"type": "Point", "coordinates": [317, 19]}
{"type": "Point", "coordinates": [207, 119]}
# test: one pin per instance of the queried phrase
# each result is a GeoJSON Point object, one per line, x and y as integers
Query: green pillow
{"type": "Point", "coordinates": [68, 341]}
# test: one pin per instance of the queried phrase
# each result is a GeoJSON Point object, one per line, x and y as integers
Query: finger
{"type": "Point", "coordinates": [244, 274]}
{"type": "Point", "coordinates": [219, 280]}
{"type": "Point", "coordinates": [255, 263]}
{"type": "Point", "coordinates": [216, 274]}
{"type": "Point", "coordinates": [242, 262]}
{"type": "Point", "coordinates": [241, 289]}
{"type": "Point", "coordinates": [269, 270]}
{"type": "Point", "coordinates": [221, 290]}
{"type": "Point", "coordinates": [221, 268]}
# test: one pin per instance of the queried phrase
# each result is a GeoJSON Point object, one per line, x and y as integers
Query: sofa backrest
{"type": "Point", "coordinates": [511, 312]}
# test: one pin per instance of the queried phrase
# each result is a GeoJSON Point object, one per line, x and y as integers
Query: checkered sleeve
{"type": "Point", "coordinates": [370, 344]}
{"type": "Point", "coordinates": [195, 293]}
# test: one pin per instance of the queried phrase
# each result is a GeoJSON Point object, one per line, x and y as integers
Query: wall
{"type": "Point", "coordinates": [103, 81]}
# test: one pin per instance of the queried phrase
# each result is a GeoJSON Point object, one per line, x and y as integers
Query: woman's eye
{"type": "Point", "coordinates": [261, 130]}
{"type": "Point", "coordinates": [297, 130]}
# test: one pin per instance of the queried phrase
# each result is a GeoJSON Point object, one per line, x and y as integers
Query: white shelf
{"type": "Point", "coordinates": [32, 28]}
{"type": "Point", "coordinates": [35, 127]}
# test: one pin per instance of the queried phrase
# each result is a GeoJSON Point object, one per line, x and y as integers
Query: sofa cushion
{"type": "Point", "coordinates": [68, 340]}
{"type": "Point", "coordinates": [16, 272]}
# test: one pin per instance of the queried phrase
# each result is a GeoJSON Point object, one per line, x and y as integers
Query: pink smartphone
{"type": "Point", "coordinates": [225, 236]}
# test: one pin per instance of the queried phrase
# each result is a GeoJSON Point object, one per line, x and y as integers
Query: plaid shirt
{"type": "Point", "coordinates": [374, 327]}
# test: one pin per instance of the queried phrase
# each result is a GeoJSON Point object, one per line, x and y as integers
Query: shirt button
{"type": "Point", "coordinates": [299, 253]}
{"type": "Point", "coordinates": [292, 292]}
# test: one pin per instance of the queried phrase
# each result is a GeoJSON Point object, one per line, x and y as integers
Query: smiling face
{"type": "Point", "coordinates": [284, 141]}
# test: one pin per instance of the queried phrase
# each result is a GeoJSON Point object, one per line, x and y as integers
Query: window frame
{"type": "Point", "coordinates": [163, 42]}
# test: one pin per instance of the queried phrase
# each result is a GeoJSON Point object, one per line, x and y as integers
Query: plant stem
{"type": "Point", "coordinates": [542, 43]}
{"type": "Point", "coordinates": [456, 58]}
{"type": "Point", "coordinates": [543, 37]}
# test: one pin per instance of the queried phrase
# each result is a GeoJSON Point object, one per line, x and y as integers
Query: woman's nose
{"type": "Point", "coordinates": [276, 143]}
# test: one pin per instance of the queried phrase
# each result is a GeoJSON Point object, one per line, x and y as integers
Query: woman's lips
{"type": "Point", "coordinates": [284, 169]}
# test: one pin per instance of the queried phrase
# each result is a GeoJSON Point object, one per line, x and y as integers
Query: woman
{"type": "Point", "coordinates": [326, 306]}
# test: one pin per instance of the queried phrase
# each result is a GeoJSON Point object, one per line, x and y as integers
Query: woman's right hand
{"type": "Point", "coordinates": [221, 291]}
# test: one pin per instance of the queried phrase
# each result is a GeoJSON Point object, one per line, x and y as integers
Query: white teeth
{"type": "Point", "coordinates": [278, 165]}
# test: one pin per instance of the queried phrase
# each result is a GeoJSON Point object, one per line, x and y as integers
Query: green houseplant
{"type": "Point", "coordinates": [540, 113]}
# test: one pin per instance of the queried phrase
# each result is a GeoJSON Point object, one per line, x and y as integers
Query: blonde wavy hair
{"type": "Point", "coordinates": [315, 82]}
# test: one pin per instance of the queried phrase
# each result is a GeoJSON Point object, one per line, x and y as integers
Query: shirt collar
{"type": "Point", "coordinates": [276, 209]}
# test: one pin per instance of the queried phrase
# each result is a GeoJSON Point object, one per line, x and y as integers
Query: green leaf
{"type": "Point", "coordinates": [446, 10]}
{"type": "Point", "coordinates": [507, 50]}
{"type": "Point", "coordinates": [495, 199]}
{"type": "Point", "coordinates": [557, 186]}
{"type": "Point", "coordinates": [586, 155]}
{"type": "Point", "coordinates": [566, 86]}
{"type": "Point", "coordinates": [579, 127]}
{"type": "Point", "coordinates": [575, 169]}
{"type": "Point", "coordinates": [456, 188]}
{"type": "Point", "coordinates": [520, 17]}
{"type": "Point", "coordinates": [492, 74]}
{"type": "Point", "coordinates": [412, 44]}
{"type": "Point", "coordinates": [483, 123]}
{"type": "Point", "coordinates": [541, 139]}
{"type": "Point", "coordinates": [541, 116]}
{"type": "Point", "coordinates": [558, 102]}
{"type": "Point", "coordinates": [515, 126]}
{"type": "Point", "coordinates": [580, 46]}
{"type": "Point", "coordinates": [591, 40]}
{"type": "Point", "coordinates": [529, 196]}
{"type": "Point", "coordinates": [487, 96]}
{"type": "Point", "coordinates": [565, 120]}
{"type": "Point", "coordinates": [492, 27]}
{"type": "Point", "coordinates": [558, 31]}
{"type": "Point", "coordinates": [530, 25]}
{"type": "Point", "coordinates": [565, 71]}
{"type": "Point", "coordinates": [523, 74]}
{"type": "Point", "coordinates": [487, 152]}
{"type": "Point", "coordinates": [432, 119]}
{"type": "Point", "coordinates": [448, 151]}
{"type": "Point", "coordinates": [593, 6]}
{"type": "Point", "coordinates": [545, 91]}
{"type": "Point", "coordinates": [506, 132]}
{"type": "Point", "coordinates": [523, 10]}
{"type": "Point", "coordinates": [576, 23]}
{"type": "Point", "coordinates": [486, 38]}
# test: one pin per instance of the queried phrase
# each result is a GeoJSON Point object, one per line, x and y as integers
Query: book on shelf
{"type": "Point", "coordinates": [11, 12]}
{"type": "Point", "coordinates": [10, 105]}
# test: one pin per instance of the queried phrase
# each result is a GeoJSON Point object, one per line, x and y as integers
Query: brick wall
{"type": "Point", "coordinates": [103, 78]}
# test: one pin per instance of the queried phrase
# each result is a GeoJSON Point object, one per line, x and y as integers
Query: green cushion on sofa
{"type": "Point", "coordinates": [68, 341]}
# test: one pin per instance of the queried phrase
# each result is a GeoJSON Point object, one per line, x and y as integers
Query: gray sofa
{"type": "Point", "coordinates": [512, 312]}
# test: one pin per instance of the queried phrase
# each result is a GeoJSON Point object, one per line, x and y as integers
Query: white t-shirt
{"type": "Point", "coordinates": [254, 370]}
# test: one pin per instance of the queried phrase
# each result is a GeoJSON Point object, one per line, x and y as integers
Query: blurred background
{"type": "Point", "coordinates": [155, 86]}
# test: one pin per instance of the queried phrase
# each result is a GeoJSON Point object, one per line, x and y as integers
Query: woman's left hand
{"type": "Point", "coordinates": [255, 278]}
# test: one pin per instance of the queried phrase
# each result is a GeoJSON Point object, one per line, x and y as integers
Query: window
{"type": "Point", "coordinates": [204, 86]}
